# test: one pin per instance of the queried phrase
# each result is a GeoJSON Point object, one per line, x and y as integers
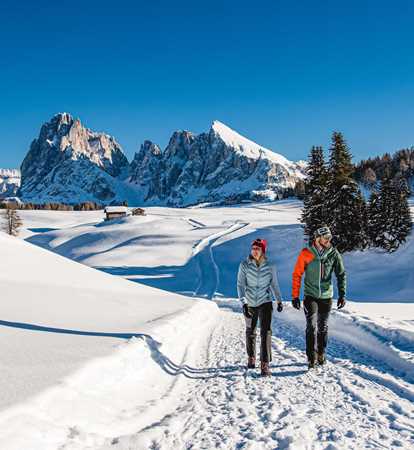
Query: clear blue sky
{"type": "Point", "coordinates": [285, 74]}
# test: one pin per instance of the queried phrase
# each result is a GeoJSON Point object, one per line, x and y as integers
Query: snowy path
{"type": "Point", "coordinates": [347, 405]}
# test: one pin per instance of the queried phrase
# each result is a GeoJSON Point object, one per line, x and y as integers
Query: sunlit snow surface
{"type": "Point", "coordinates": [128, 356]}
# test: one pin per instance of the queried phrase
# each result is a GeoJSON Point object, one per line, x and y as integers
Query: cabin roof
{"type": "Point", "coordinates": [116, 209]}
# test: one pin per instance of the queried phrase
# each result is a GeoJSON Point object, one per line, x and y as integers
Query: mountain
{"type": "Point", "coordinates": [70, 163]}
{"type": "Point", "coordinates": [9, 182]}
{"type": "Point", "coordinates": [218, 166]}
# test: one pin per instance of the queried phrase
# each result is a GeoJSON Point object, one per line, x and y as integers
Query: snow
{"type": "Point", "coordinates": [181, 382]}
{"type": "Point", "coordinates": [62, 318]}
{"type": "Point", "coordinates": [246, 146]}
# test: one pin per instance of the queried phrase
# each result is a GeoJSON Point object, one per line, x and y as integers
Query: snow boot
{"type": "Point", "coordinates": [251, 362]}
{"type": "Point", "coordinates": [321, 359]}
{"type": "Point", "coordinates": [265, 370]}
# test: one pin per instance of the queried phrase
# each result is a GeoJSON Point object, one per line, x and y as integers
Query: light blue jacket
{"type": "Point", "coordinates": [256, 284]}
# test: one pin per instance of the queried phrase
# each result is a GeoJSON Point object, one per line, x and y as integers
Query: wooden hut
{"type": "Point", "coordinates": [115, 212]}
{"type": "Point", "coordinates": [138, 212]}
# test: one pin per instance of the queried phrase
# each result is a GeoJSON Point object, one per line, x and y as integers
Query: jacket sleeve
{"type": "Point", "coordinates": [274, 285]}
{"type": "Point", "coordinates": [340, 275]}
{"type": "Point", "coordinates": [298, 271]}
{"type": "Point", "coordinates": [241, 283]}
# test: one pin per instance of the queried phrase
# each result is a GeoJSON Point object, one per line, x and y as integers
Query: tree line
{"type": "Point", "coordinates": [399, 165]}
{"type": "Point", "coordinates": [53, 206]}
{"type": "Point", "coordinates": [332, 196]}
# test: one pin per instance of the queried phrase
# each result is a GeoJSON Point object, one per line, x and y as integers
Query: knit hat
{"type": "Point", "coordinates": [262, 243]}
{"type": "Point", "coordinates": [323, 231]}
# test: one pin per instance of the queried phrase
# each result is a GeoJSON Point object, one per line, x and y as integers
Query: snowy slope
{"type": "Point", "coordinates": [63, 325]}
{"type": "Point", "coordinates": [363, 399]}
{"type": "Point", "coordinates": [250, 148]}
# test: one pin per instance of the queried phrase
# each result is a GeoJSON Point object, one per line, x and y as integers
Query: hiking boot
{"type": "Point", "coordinates": [265, 369]}
{"type": "Point", "coordinates": [251, 362]}
{"type": "Point", "coordinates": [311, 363]}
{"type": "Point", "coordinates": [321, 359]}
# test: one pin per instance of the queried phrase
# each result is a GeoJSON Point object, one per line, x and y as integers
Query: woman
{"type": "Point", "coordinates": [256, 284]}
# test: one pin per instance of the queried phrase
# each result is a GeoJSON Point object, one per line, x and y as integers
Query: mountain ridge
{"type": "Point", "coordinates": [70, 163]}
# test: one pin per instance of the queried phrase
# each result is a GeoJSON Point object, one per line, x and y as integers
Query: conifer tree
{"type": "Point", "coordinates": [390, 220]}
{"type": "Point", "coordinates": [315, 190]}
{"type": "Point", "coordinates": [344, 206]}
{"type": "Point", "coordinates": [402, 220]}
{"type": "Point", "coordinates": [375, 218]}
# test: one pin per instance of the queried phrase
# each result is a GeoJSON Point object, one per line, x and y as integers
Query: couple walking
{"type": "Point", "coordinates": [257, 283]}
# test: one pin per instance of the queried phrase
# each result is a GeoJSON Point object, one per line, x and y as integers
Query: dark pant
{"type": "Point", "coordinates": [264, 314]}
{"type": "Point", "coordinates": [317, 314]}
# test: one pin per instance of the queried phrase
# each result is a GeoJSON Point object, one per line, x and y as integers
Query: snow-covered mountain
{"type": "Point", "coordinates": [70, 163]}
{"type": "Point", "coordinates": [9, 182]}
{"type": "Point", "coordinates": [218, 166]}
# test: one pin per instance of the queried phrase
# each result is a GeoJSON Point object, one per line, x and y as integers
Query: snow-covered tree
{"type": "Point", "coordinates": [344, 206]}
{"type": "Point", "coordinates": [11, 221]}
{"type": "Point", "coordinates": [375, 218]}
{"type": "Point", "coordinates": [315, 192]}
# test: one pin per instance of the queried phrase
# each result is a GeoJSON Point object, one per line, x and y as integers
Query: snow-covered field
{"type": "Point", "coordinates": [93, 361]}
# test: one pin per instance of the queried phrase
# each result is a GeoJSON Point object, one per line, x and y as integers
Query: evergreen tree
{"type": "Point", "coordinates": [375, 218]}
{"type": "Point", "coordinates": [315, 191]}
{"type": "Point", "coordinates": [344, 206]}
{"type": "Point", "coordinates": [402, 214]}
{"type": "Point", "coordinates": [390, 220]}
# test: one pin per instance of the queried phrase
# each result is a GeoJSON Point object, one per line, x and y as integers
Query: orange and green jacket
{"type": "Point", "coordinates": [318, 273]}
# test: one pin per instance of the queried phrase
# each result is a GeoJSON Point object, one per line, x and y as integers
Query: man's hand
{"type": "Point", "coordinates": [296, 303]}
{"type": "Point", "coordinates": [279, 306]}
{"type": "Point", "coordinates": [246, 312]}
{"type": "Point", "coordinates": [341, 303]}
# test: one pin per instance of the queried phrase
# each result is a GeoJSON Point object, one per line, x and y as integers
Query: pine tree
{"type": "Point", "coordinates": [315, 190]}
{"type": "Point", "coordinates": [390, 221]}
{"type": "Point", "coordinates": [400, 216]}
{"type": "Point", "coordinates": [375, 218]}
{"type": "Point", "coordinates": [403, 212]}
{"type": "Point", "coordinates": [345, 210]}
{"type": "Point", "coordinates": [12, 221]}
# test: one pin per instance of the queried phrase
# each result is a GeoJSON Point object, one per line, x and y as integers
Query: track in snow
{"type": "Point", "coordinates": [208, 271]}
{"type": "Point", "coordinates": [227, 407]}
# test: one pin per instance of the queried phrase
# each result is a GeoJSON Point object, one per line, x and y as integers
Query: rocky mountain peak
{"type": "Point", "coordinates": [64, 142]}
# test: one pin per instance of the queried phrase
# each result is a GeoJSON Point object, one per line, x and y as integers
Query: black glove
{"type": "Point", "coordinates": [246, 312]}
{"type": "Point", "coordinates": [279, 306]}
{"type": "Point", "coordinates": [296, 303]}
{"type": "Point", "coordinates": [341, 303]}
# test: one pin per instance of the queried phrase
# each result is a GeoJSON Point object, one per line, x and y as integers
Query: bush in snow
{"type": "Point", "coordinates": [11, 221]}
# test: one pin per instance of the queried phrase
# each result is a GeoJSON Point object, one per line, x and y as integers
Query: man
{"type": "Point", "coordinates": [318, 262]}
{"type": "Point", "coordinates": [256, 283]}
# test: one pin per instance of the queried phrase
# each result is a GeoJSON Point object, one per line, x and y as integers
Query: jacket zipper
{"type": "Point", "coordinates": [320, 276]}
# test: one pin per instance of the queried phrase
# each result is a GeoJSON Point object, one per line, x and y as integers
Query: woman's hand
{"type": "Point", "coordinates": [246, 312]}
